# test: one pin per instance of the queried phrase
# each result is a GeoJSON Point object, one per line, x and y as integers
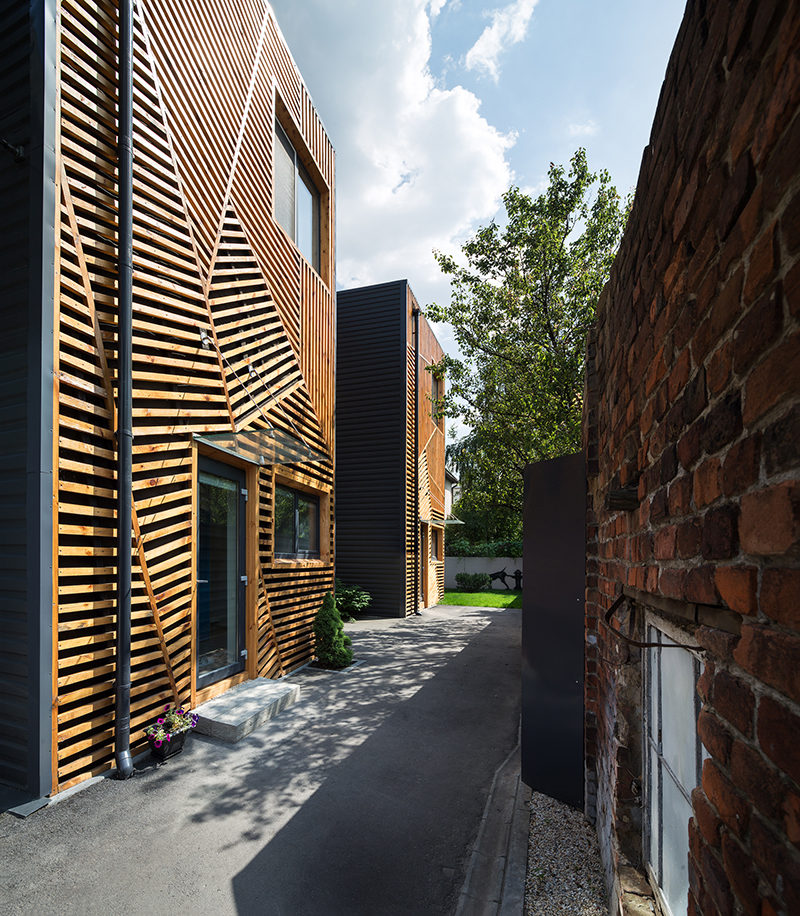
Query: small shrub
{"type": "Point", "coordinates": [473, 582]}
{"type": "Point", "coordinates": [332, 645]}
{"type": "Point", "coordinates": [350, 600]}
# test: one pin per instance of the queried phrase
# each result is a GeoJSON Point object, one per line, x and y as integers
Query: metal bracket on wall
{"type": "Point", "coordinates": [635, 642]}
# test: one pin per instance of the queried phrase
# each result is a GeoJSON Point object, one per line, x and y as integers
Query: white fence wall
{"type": "Point", "coordinates": [454, 565]}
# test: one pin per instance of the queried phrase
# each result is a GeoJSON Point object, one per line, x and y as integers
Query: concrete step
{"type": "Point", "coordinates": [242, 709]}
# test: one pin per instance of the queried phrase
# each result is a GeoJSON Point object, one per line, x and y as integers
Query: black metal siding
{"type": "Point", "coordinates": [370, 443]}
{"type": "Point", "coordinates": [27, 80]}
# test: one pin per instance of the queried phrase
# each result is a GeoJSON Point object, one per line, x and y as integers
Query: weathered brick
{"type": "Point", "coordinates": [791, 816]}
{"type": "Point", "coordinates": [699, 585]}
{"type": "Point", "coordinates": [718, 368]}
{"type": "Point", "coordinates": [758, 329]}
{"type": "Point", "coordinates": [778, 731]}
{"type": "Point", "coordinates": [716, 882]}
{"type": "Point", "coordinates": [779, 864]}
{"type": "Point", "coordinates": [664, 543]}
{"type": "Point", "coordinates": [762, 263]}
{"type": "Point", "coordinates": [780, 596]}
{"type": "Point", "coordinates": [734, 701]}
{"type": "Point", "coordinates": [741, 466]}
{"type": "Point", "coordinates": [707, 482]}
{"type": "Point", "coordinates": [737, 587]}
{"type": "Point", "coordinates": [688, 539]}
{"type": "Point", "coordinates": [780, 442]}
{"type": "Point", "coordinates": [774, 378]}
{"type": "Point", "coordinates": [771, 656]}
{"type": "Point", "coordinates": [720, 537]}
{"type": "Point", "coordinates": [720, 644]}
{"type": "Point", "coordinates": [782, 103]}
{"type": "Point", "coordinates": [706, 818]}
{"type": "Point", "coordinates": [671, 583]}
{"type": "Point", "coordinates": [731, 806]}
{"type": "Point", "coordinates": [757, 781]}
{"type": "Point", "coordinates": [679, 496]}
{"type": "Point", "coordinates": [769, 519]}
{"type": "Point", "coordinates": [790, 225]}
{"type": "Point", "coordinates": [742, 875]}
{"type": "Point", "coordinates": [737, 192]}
{"type": "Point", "coordinates": [690, 445]}
{"type": "Point", "coordinates": [705, 682]}
{"type": "Point", "coordinates": [714, 736]}
{"type": "Point", "coordinates": [723, 423]}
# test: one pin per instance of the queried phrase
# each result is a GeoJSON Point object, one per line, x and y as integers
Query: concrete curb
{"type": "Point", "coordinates": [495, 882]}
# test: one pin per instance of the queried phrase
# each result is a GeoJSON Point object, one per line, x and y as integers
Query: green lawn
{"type": "Point", "coordinates": [483, 599]}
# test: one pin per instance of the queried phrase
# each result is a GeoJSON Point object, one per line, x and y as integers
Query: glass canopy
{"type": "Point", "coordinates": [264, 446]}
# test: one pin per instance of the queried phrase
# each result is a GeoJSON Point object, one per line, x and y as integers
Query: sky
{"type": "Point", "coordinates": [436, 107]}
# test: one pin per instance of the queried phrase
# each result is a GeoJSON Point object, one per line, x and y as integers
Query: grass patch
{"type": "Point", "coordinates": [483, 599]}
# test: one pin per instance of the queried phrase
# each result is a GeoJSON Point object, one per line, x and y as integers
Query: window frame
{"type": "Point", "coordinates": [297, 495]}
{"type": "Point", "coordinates": [301, 174]}
{"type": "Point", "coordinates": [656, 767]}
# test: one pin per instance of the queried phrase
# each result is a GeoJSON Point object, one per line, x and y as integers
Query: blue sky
{"type": "Point", "coordinates": [435, 107]}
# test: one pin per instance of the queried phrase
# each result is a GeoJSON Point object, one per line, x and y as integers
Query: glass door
{"type": "Point", "coordinates": [221, 578]}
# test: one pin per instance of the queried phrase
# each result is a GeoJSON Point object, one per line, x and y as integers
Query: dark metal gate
{"type": "Point", "coordinates": [554, 551]}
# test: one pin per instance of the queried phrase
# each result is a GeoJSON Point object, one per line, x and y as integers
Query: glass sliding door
{"type": "Point", "coordinates": [221, 578]}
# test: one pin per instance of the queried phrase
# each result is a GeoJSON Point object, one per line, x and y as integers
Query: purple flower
{"type": "Point", "coordinates": [169, 737]}
{"type": "Point", "coordinates": [159, 721]}
{"type": "Point", "coordinates": [167, 707]}
{"type": "Point", "coordinates": [180, 711]}
{"type": "Point", "coordinates": [157, 743]}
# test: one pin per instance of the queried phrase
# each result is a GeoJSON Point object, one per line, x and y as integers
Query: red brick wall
{"type": "Point", "coordinates": [693, 396]}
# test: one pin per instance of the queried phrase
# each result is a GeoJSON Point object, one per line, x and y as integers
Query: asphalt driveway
{"type": "Point", "coordinates": [364, 798]}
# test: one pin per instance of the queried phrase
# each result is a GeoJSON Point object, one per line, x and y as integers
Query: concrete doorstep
{"type": "Point", "coordinates": [242, 709]}
{"type": "Point", "coordinates": [495, 883]}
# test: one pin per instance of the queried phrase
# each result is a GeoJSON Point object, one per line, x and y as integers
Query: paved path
{"type": "Point", "coordinates": [364, 798]}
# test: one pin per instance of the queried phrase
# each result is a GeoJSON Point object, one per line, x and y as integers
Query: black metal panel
{"type": "Point", "coordinates": [27, 182]}
{"type": "Point", "coordinates": [370, 442]}
{"type": "Point", "coordinates": [552, 628]}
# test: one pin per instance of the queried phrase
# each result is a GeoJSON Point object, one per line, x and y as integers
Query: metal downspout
{"type": "Point", "coordinates": [124, 396]}
{"type": "Point", "coordinates": [415, 313]}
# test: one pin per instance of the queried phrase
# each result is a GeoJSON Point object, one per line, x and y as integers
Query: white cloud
{"type": "Point", "coordinates": [509, 26]}
{"type": "Point", "coordinates": [586, 129]}
{"type": "Point", "coordinates": [418, 167]}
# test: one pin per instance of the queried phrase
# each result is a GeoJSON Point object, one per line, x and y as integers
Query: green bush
{"type": "Point", "coordinates": [332, 645]}
{"type": "Point", "coordinates": [461, 547]}
{"type": "Point", "coordinates": [473, 582]}
{"type": "Point", "coordinates": [350, 600]}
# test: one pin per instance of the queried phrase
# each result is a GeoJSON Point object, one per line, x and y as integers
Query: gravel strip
{"type": "Point", "coordinates": [565, 875]}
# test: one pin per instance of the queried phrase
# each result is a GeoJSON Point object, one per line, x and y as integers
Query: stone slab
{"type": "Point", "coordinates": [244, 708]}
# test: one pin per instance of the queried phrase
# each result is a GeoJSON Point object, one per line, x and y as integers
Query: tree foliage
{"type": "Point", "coordinates": [522, 299]}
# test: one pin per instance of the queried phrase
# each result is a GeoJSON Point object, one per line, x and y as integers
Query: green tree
{"type": "Point", "coordinates": [522, 300]}
{"type": "Point", "coordinates": [331, 643]}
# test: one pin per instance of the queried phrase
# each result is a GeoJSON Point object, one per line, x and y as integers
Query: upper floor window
{"type": "Point", "coordinates": [296, 199]}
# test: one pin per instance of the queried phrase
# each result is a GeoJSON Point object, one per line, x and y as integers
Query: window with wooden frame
{"type": "Point", "coordinates": [296, 199]}
{"type": "Point", "coordinates": [436, 543]}
{"type": "Point", "coordinates": [297, 523]}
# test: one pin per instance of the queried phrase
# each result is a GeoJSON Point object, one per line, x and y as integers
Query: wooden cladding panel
{"type": "Point", "coordinates": [317, 356]}
{"type": "Point", "coordinates": [195, 268]}
{"type": "Point", "coordinates": [204, 61]}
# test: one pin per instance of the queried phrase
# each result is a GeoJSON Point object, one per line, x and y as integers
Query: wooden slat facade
{"type": "Point", "coordinates": [209, 79]}
{"type": "Point", "coordinates": [377, 465]}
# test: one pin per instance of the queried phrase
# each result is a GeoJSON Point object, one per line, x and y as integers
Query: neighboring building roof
{"type": "Point", "coordinates": [449, 475]}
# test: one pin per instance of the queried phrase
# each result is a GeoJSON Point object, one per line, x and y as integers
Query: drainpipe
{"type": "Point", "coordinates": [415, 313]}
{"type": "Point", "coordinates": [124, 386]}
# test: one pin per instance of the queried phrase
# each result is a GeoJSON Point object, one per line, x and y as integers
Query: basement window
{"type": "Point", "coordinates": [673, 757]}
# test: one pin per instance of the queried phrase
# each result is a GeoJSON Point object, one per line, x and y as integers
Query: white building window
{"type": "Point", "coordinates": [673, 757]}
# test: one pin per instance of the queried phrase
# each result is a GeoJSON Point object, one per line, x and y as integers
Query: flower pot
{"type": "Point", "coordinates": [168, 748]}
